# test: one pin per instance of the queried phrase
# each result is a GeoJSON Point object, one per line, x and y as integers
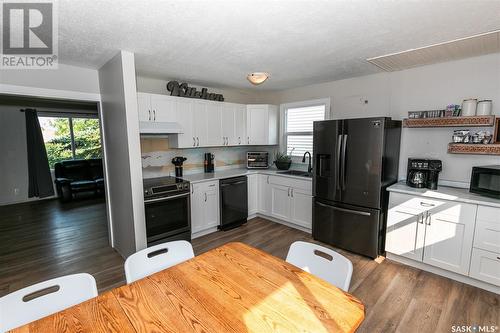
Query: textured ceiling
{"type": "Point", "coordinates": [298, 42]}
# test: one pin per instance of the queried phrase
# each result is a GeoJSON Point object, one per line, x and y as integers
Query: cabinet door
{"type": "Point", "coordinates": [200, 123]}
{"type": "Point", "coordinates": [214, 124]}
{"type": "Point", "coordinates": [228, 123]}
{"type": "Point", "coordinates": [405, 232]}
{"type": "Point", "coordinates": [301, 207]}
{"type": "Point", "coordinates": [264, 194]}
{"type": "Point", "coordinates": [184, 110]}
{"type": "Point", "coordinates": [197, 208]}
{"type": "Point", "coordinates": [280, 201]}
{"type": "Point", "coordinates": [144, 106]}
{"type": "Point", "coordinates": [163, 108]}
{"type": "Point", "coordinates": [211, 199]}
{"type": "Point", "coordinates": [485, 266]}
{"type": "Point", "coordinates": [240, 125]}
{"type": "Point", "coordinates": [257, 124]}
{"type": "Point", "coordinates": [253, 194]}
{"type": "Point", "coordinates": [449, 235]}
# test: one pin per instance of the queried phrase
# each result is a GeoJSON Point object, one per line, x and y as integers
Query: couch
{"type": "Point", "coordinates": [79, 176]}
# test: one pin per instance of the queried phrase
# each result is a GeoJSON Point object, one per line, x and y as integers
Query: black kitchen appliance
{"type": "Point", "coordinates": [209, 162]}
{"type": "Point", "coordinates": [423, 173]}
{"type": "Point", "coordinates": [167, 208]}
{"type": "Point", "coordinates": [355, 160]}
{"type": "Point", "coordinates": [177, 162]}
{"type": "Point", "coordinates": [485, 180]}
{"type": "Point", "coordinates": [233, 202]}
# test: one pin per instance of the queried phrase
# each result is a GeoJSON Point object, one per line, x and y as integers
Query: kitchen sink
{"type": "Point", "coordinates": [296, 173]}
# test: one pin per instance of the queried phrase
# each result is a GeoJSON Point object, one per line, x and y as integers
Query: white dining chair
{"type": "Point", "coordinates": [156, 258]}
{"type": "Point", "coordinates": [322, 262]}
{"type": "Point", "coordinates": [45, 298]}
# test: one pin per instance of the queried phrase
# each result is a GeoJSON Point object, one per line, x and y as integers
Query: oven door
{"type": "Point", "coordinates": [167, 217]}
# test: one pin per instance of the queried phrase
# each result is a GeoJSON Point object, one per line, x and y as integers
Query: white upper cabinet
{"type": "Point", "coordinates": [152, 107]}
{"type": "Point", "coordinates": [211, 124]}
{"type": "Point", "coordinates": [262, 124]}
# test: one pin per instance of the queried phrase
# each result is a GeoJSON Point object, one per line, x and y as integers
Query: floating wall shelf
{"type": "Point", "coordinates": [470, 148]}
{"type": "Point", "coordinates": [474, 121]}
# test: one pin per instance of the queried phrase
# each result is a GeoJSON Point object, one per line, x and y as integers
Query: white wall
{"type": "Point", "coordinates": [157, 86]}
{"type": "Point", "coordinates": [64, 78]}
{"type": "Point", "coordinates": [123, 155]}
{"type": "Point", "coordinates": [394, 94]}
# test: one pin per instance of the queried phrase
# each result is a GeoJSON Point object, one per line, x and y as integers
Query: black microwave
{"type": "Point", "coordinates": [485, 180]}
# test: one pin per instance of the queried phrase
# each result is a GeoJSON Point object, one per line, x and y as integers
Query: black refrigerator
{"type": "Point", "coordinates": [355, 160]}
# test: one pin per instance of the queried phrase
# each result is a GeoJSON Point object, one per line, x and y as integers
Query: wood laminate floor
{"type": "Point", "coordinates": [42, 240]}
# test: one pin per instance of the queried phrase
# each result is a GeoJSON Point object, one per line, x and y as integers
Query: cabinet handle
{"type": "Point", "coordinates": [428, 218]}
{"type": "Point", "coordinates": [426, 204]}
{"type": "Point", "coordinates": [291, 191]}
{"type": "Point", "coordinates": [420, 218]}
{"type": "Point", "coordinates": [154, 115]}
{"type": "Point", "coordinates": [205, 196]}
{"type": "Point", "coordinates": [192, 189]}
{"type": "Point", "coordinates": [149, 112]}
{"type": "Point", "coordinates": [212, 185]}
{"type": "Point", "coordinates": [288, 191]}
{"type": "Point", "coordinates": [227, 141]}
{"type": "Point", "coordinates": [268, 179]}
{"type": "Point", "coordinates": [498, 258]}
{"type": "Point", "coordinates": [198, 141]}
{"type": "Point", "coordinates": [194, 142]}
{"type": "Point", "coordinates": [239, 140]}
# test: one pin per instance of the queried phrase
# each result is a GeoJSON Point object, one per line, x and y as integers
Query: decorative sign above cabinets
{"type": "Point", "coordinates": [183, 90]}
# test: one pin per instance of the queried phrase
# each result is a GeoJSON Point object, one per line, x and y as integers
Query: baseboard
{"type": "Point", "coordinates": [288, 224]}
{"type": "Point", "coordinates": [203, 232]}
{"type": "Point", "coordinates": [439, 271]}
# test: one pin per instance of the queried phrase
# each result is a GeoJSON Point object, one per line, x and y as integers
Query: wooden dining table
{"type": "Point", "coordinates": [233, 288]}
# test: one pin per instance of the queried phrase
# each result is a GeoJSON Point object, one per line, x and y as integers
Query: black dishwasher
{"type": "Point", "coordinates": [233, 202]}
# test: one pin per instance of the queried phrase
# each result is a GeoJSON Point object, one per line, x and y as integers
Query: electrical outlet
{"type": "Point", "coordinates": [16, 191]}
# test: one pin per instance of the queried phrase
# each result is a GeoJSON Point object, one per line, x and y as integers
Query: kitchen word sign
{"type": "Point", "coordinates": [183, 90]}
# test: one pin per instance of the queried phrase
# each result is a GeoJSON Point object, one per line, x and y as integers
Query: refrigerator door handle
{"type": "Point", "coordinates": [358, 212]}
{"type": "Point", "coordinates": [344, 148]}
{"type": "Point", "coordinates": [338, 171]}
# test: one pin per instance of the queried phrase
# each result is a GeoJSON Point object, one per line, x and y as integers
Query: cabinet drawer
{"type": "Point", "coordinates": [305, 185]}
{"type": "Point", "coordinates": [415, 202]}
{"type": "Point", "coordinates": [485, 266]}
{"type": "Point", "coordinates": [487, 236]}
{"type": "Point", "coordinates": [490, 214]}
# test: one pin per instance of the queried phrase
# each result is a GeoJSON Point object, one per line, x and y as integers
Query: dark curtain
{"type": "Point", "coordinates": [39, 177]}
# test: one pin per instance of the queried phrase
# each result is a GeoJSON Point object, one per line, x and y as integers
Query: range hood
{"type": "Point", "coordinates": [159, 127]}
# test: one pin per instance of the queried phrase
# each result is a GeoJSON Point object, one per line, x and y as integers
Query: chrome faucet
{"type": "Point", "coordinates": [309, 167]}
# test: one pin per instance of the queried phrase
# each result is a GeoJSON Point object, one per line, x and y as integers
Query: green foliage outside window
{"type": "Point", "coordinates": [86, 134]}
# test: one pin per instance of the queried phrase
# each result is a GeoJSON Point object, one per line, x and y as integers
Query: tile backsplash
{"type": "Point", "coordinates": [157, 157]}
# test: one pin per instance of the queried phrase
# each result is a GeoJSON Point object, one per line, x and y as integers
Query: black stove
{"type": "Point", "coordinates": [164, 187]}
{"type": "Point", "coordinates": [167, 208]}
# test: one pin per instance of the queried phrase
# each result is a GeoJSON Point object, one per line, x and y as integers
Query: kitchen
{"type": "Point", "coordinates": [393, 168]}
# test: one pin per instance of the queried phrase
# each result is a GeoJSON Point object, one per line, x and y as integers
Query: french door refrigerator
{"type": "Point", "coordinates": [354, 161]}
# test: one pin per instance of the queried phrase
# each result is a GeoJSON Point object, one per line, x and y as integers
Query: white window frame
{"type": "Point", "coordinates": [283, 110]}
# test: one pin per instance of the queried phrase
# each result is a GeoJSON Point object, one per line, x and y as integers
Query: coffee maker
{"type": "Point", "coordinates": [209, 162]}
{"type": "Point", "coordinates": [177, 162]}
{"type": "Point", "coordinates": [423, 173]}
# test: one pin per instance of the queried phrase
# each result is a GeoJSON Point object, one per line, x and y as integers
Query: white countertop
{"type": "Point", "coordinates": [446, 193]}
{"type": "Point", "coordinates": [203, 177]}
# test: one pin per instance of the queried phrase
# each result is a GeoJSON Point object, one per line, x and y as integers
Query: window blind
{"type": "Point", "coordinates": [299, 127]}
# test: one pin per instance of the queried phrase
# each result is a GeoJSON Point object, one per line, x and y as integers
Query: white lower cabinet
{"type": "Point", "coordinates": [485, 266]}
{"type": "Point", "coordinates": [204, 206]}
{"type": "Point", "coordinates": [253, 194]}
{"type": "Point", "coordinates": [264, 201]}
{"type": "Point", "coordinates": [436, 232]}
{"type": "Point", "coordinates": [291, 200]}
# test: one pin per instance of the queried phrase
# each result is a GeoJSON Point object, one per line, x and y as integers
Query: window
{"type": "Point", "coordinates": [70, 137]}
{"type": "Point", "coordinates": [298, 124]}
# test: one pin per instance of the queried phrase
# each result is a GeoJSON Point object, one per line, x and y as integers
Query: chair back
{"type": "Point", "coordinates": [45, 298]}
{"type": "Point", "coordinates": [156, 258]}
{"type": "Point", "coordinates": [322, 262]}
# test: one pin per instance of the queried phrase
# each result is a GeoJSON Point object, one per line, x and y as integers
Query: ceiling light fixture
{"type": "Point", "coordinates": [257, 78]}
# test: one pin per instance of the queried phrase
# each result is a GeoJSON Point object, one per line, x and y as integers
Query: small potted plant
{"type": "Point", "coordinates": [282, 160]}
